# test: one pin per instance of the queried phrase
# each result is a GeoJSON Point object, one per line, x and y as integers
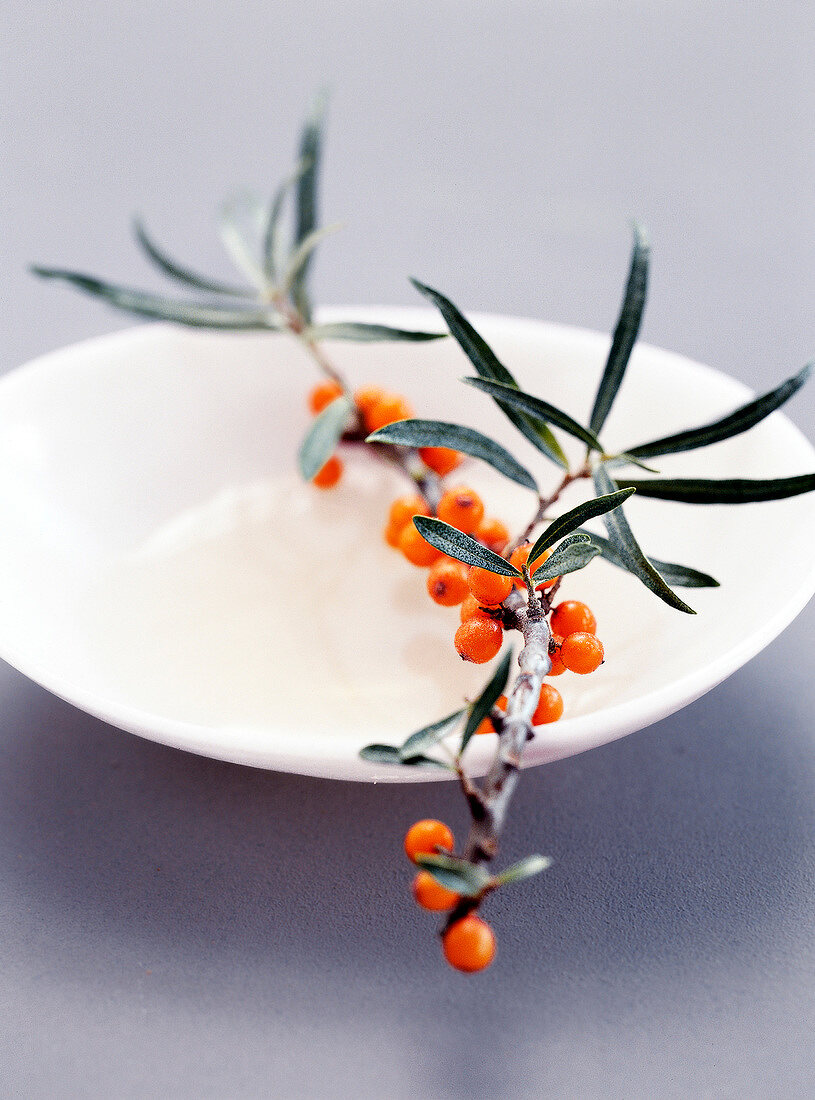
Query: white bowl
{"type": "Point", "coordinates": [163, 568]}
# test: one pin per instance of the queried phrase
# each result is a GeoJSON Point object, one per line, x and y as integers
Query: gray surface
{"type": "Point", "coordinates": [175, 926]}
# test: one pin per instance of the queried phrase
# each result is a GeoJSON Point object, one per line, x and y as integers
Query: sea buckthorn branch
{"type": "Point", "coordinates": [467, 941]}
{"type": "Point", "coordinates": [276, 298]}
{"type": "Point", "coordinates": [500, 583]}
{"type": "Point", "coordinates": [515, 730]}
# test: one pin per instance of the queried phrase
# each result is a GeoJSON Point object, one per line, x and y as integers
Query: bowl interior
{"type": "Point", "coordinates": [162, 566]}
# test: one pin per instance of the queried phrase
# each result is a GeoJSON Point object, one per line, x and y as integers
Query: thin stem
{"type": "Point", "coordinates": [296, 325]}
{"type": "Point", "coordinates": [545, 503]}
{"type": "Point", "coordinates": [406, 458]}
{"type": "Point", "coordinates": [496, 792]}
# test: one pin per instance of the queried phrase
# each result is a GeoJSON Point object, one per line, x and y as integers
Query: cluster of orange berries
{"type": "Point", "coordinates": [481, 593]}
{"type": "Point", "coordinates": [469, 943]}
{"type": "Point", "coordinates": [376, 408]}
{"type": "Point", "coordinates": [451, 582]}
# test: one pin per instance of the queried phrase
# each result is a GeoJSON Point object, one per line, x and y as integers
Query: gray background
{"type": "Point", "coordinates": [176, 926]}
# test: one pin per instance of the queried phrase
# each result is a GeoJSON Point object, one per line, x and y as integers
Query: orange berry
{"type": "Point", "coordinates": [479, 640]}
{"type": "Point", "coordinates": [430, 894]}
{"type": "Point", "coordinates": [416, 550]}
{"type": "Point", "coordinates": [392, 535]}
{"type": "Point", "coordinates": [389, 408]}
{"type": "Point", "coordinates": [571, 617]}
{"type": "Point", "coordinates": [425, 836]}
{"type": "Point", "coordinates": [490, 589]}
{"type": "Point", "coordinates": [469, 944]}
{"type": "Point", "coordinates": [550, 706]}
{"type": "Point", "coordinates": [329, 475]}
{"type": "Point", "coordinates": [447, 582]}
{"type": "Point", "coordinates": [404, 509]}
{"type": "Point", "coordinates": [520, 557]}
{"type": "Point", "coordinates": [470, 609]}
{"type": "Point", "coordinates": [558, 667]}
{"type": "Point", "coordinates": [462, 508]}
{"type": "Point", "coordinates": [367, 397]}
{"type": "Point", "coordinates": [493, 534]}
{"type": "Point", "coordinates": [323, 394]}
{"type": "Point", "coordinates": [581, 652]}
{"type": "Point", "coordinates": [441, 459]}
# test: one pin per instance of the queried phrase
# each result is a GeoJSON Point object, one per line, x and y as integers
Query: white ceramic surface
{"type": "Point", "coordinates": [162, 568]}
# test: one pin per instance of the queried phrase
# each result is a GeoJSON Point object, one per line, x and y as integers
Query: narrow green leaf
{"type": "Point", "coordinates": [323, 436]}
{"type": "Point", "coordinates": [612, 462]}
{"type": "Point", "coordinates": [419, 758]}
{"type": "Point", "coordinates": [525, 868]}
{"type": "Point", "coordinates": [487, 699]}
{"type": "Point", "coordinates": [679, 576]}
{"type": "Point", "coordinates": [241, 224]}
{"type": "Point", "coordinates": [272, 244]}
{"type": "Point", "coordinates": [165, 309]}
{"type": "Point", "coordinates": [306, 204]}
{"type": "Point", "coordinates": [575, 552]}
{"type": "Point", "coordinates": [302, 254]}
{"type": "Point", "coordinates": [457, 545]}
{"type": "Point", "coordinates": [437, 433]}
{"type": "Point", "coordinates": [183, 274]}
{"type": "Point", "coordinates": [536, 406]}
{"type": "Point", "coordinates": [381, 754]}
{"type": "Point", "coordinates": [571, 520]}
{"type": "Point", "coordinates": [389, 754]}
{"type": "Point", "coordinates": [700, 490]}
{"type": "Point", "coordinates": [364, 333]}
{"type": "Point", "coordinates": [631, 555]}
{"type": "Point", "coordinates": [426, 738]}
{"type": "Point", "coordinates": [488, 365]}
{"type": "Point", "coordinates": [465, 878]}
{"type": "Point", "coordinates": [744, 418]}
{"type": "Point", "coordinates": [625, 334]}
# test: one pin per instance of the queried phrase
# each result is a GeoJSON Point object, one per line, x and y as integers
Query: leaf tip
{"type": "Point", "coordinates": [423, 288]}
{"type": "Point", "coordinates": [641, 236]}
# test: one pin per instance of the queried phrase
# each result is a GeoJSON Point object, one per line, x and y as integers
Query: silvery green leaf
{"type": "Point", "coordinates": [241, 225]}
{"type": "Point", "coordinates": [465, 878]}
{"type": "Point", "coordinates": [302, 254]}
{"type": "Point", "coordinates": [634, 560]}
{"type": "Point", "coordinates": [575, 552]}
{"type": "Point", "coordinates": [700, 490]}
{"type": "Point", "coordinates": [571, 520]}
{"type": "Point", "coordinates": [166, 309]}
{"type": "Point", "coordinates": [437, 433]}
{"type": "Point", "coordinates": [525, 868]}
{"type": "Point", "coordinates": [323, 436]}
{"type": "Point", "coordinates": [625, 334]}
{"type": "Point", "coordinates": [183, 274]}
{"type": "Point", "coordinates": [457, 545]}
{"type": "Point", "coordinates": [381, 754]}
{"type": "Point", "coordinates": [612, 462]}
{"type": "Point", "coordinates": [272, 244]}
{"type": "Point", "coordinates": [488, 365]}
{"type": "Point", "coordinates": [536, 406]}
{"type": "Point", "coordinates": [364, 333]}
{"type": "Point", "coordinates": [487, 699]}
{"type": "Point", "coordinates": [744, 418]}
{"type": "Point", "coordinates": [680, 576]}
{"type": "Point", "coordinates": [305, 217]}
{"type": "Point", "coordinates": [426, 738]}
{"type": "Point", "coordinates": [419, 760]}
